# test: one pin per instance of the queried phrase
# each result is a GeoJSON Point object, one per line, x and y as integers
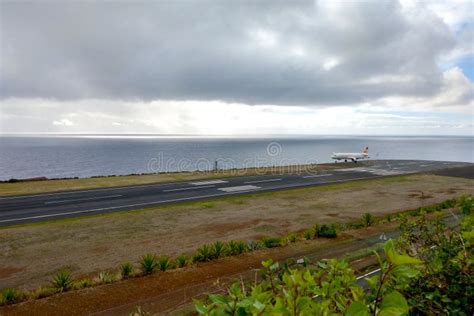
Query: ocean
{"type": "Point", "coordinates": [87, 156]}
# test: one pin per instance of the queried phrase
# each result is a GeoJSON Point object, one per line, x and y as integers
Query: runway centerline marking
{"type": "Point", "coordinates": [261, 181]}
{"type": "Point", "coordinates": [318, 175]}
{"type": "Point", "coordinates": [239, 188]}
{"type": "Point", "coordinates": [208, 182]}
{"type": "Point", "coordinates": [84, 199]}
{"type": "Point", "coordinates": [190, 188]}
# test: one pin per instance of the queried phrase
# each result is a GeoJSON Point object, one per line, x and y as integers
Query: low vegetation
{"type": "Point", "coordinates": [149, 263]}
{"type": "Point", "coordinates": [62, 281]}
{"type": "Point", "coordinates": [126, 269]}
{"type": "Point", "coordinates": [427, 271]}
{"type": "Point", "coordinates": [368, 219]}
{"type": "Point", "coordinates": [328, 231]}
{"type": "Point", "coordinates": [182, 260]}
{"type": "Point", "coordinates": [11, 296]}
{"type": "Point", "coordinates": [105, 277]}
{"type": "Point", "coordinates": [164, 263]}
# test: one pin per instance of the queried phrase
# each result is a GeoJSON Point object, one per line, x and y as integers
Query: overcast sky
{"type": "Point", "coordinates": [237, 67]}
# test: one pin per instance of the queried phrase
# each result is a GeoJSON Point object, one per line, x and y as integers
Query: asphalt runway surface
{"type": "Point", "coordinates": [49, 206]}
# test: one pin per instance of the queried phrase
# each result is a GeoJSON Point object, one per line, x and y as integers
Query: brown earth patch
{"type": "Point", "coordinates": [100, 243]}
{"type": "Point", "coordinates": [6, 272]}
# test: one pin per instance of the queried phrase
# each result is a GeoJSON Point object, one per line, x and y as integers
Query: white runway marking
{"type": "Point", "coordinates": [84, 199]}
{"type": "Point", "coordinates": [261, 181]}
{"type": "Point", "coordinates": [352, 169]}
{"type": "Point", "coordinates": [190, 188]}
{"type": "Point", "coordinates": [208, 182]}
{"type": "Point", "coordinates": [239, 188]}
{"type": "Point", "coordinates": [318, 175]}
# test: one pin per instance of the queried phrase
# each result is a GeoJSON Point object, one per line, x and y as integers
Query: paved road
{"type": "Point", "coordinates": [48, 206]}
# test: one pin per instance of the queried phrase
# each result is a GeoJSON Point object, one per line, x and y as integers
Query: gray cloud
{"type": "Point", "coordinates": [283, 53]}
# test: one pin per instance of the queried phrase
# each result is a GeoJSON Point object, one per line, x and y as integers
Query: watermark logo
{"type": "Point", "coordinates": [274, 149]}
{"type": "Point", "coordinates": [270, 162]}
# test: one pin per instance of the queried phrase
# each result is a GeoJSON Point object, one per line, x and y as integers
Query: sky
{"type": "Point", "coordinates": [377, 67]}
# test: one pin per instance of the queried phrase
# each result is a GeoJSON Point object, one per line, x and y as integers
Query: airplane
{"type": "Point", "coordinates": [351, 156]}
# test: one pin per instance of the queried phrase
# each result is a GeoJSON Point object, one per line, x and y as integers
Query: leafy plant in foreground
{"type": "Point", "coordinates": [446, 283]}
{"type": "Point", "coordinates": [62, 281]}
{"type": "Point", "coordinates": [466, 204]}
{"type": "Point", "coordinates": [415, 277]}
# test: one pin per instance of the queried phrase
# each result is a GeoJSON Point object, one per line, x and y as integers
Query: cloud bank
{"type": "Point", "coordinates": [317, 54]}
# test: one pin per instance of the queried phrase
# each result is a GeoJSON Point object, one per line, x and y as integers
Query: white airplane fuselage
{"type": "Point", "coordinates": [351, 156]}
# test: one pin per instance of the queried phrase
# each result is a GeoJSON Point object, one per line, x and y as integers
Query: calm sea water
{"type": "Point", "coordinates": [56, 157]}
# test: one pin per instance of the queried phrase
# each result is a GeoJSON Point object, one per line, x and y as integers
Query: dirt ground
{"type": "Point", "coordinates": [172, 292]}
{"type": "Point", "coordinates": [31, 255]}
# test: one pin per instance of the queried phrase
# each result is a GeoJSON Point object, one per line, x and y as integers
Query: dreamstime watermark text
{"type": "Point", "coordinates": [272, 161]}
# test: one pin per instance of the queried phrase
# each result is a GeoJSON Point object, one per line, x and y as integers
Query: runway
{"type": "Point", "coordinates": [49, 206]}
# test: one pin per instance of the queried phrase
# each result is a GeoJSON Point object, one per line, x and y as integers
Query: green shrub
{"type": "Point", "coordinates": [84, 283]}
{"type": "Point", "coordinates": [182, 260]}
{"type": "Point", "coordinates": [271, 242]}
{"type": "Point", "coordinates": [126, 269]}
{"type": "Point", "coordinates": [328, 231]}
{"type": "Point", "coordinates": [11, 296]}
{"type": "Point", "coordinates": [148, 263]}
{"type": "Point", "coordinates": [254, 245]}
{"type": "Point", "coordinates": [236, 247]}
{"type": "Point", "coordinates": [164, 263]}
{"type": "Point", "coordinates": [106, 277]}
{"type": "Point", "coordinates": [415, 212]}
{"type": "Point", "coordinates": [315, 229]}
{"type": "Point", "coordinates": [368, 219]}
{"type": "Point", "coordinates": [43, 292]}
{"type": "Point", "coordinates": [218, 249]}
{"type": "Point", "coordinates": [466, 205]}
{"type": "Point", "coordinates": [388, 217]}
{"type": "Point", "coordinates": [292, 237]}
{"type": "Point", "coordinates": [203, 253]}
{"type": "Point", "coordinates": [448, 204]}
{"type": "Point", "coordinates": [308, 234]}
{"type": "Point", "coordinates": [62, 281]}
